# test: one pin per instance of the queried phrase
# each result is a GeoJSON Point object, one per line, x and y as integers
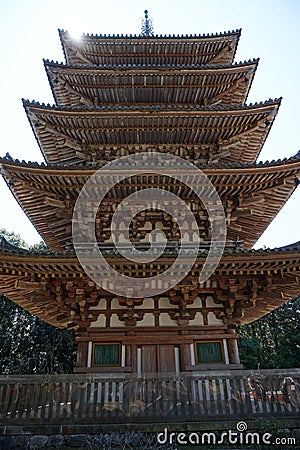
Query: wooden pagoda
{"type": "Point", "coordinates": [181, 95]}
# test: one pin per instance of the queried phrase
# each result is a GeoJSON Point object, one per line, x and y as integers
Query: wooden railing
{"type": "Point", "coordinates": [106, 398]}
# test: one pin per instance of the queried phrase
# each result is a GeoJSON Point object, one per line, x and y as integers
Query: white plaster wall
{"type": "Point", "coordinates": [212, 320]}
{"type": "Point", "coordinates": [101, 305]}
{"type": "Point", "coordinates": [166, 321]}
{"type": "Point", "coordinates": [198, 320]}
{"type": "Point", "coordinates": [148, 321]}
{"type": "Point", "coordinates": [115, 304]}
{"type": "Point", "coordinates": [115, 322]}
{"type": "Point", "coordinates": [100, 322]}
{"type": "Point", "coordinates": [164, 303]}
{"type": "Point", "coordinates": [148, 303]}
{"type": "Point", "coordinates": [210, 302]}
{"type": "Point", "coordinates": [197, 303]}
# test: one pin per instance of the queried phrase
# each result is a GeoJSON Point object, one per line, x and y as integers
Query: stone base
{"type": "Point", "coordinates": [138, 436]}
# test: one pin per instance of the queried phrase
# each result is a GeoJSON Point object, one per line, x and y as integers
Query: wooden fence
{"type": "Point", "coordinates": [110, 398]}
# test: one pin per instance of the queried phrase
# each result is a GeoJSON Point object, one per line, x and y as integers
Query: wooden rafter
{"type": "Point", "coordinates": [216, 49]}
{"type": "Point", "coordinates": [242, 130]}
{"type": "Point", "coordinates": [91, 86]}
{"type": "Point", "coordinates": [53, 287]}
{"type": "Point", "coordinates": [252, 195]}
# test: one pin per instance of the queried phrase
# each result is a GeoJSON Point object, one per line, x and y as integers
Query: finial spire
{"type": "Point", "coordinates": [147, 26]}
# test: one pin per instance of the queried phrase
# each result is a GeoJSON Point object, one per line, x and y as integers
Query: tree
{"type": "Point", "coordinates": [13, 238]}
{"type": "Point", "coordinates": [274, 340]}
{"type": "Point", "coordinates": [28, 344]}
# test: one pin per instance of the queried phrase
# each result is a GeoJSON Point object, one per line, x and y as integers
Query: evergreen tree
{"type": "Point", "coordinates": [13, 238]}
{"type": "Point", "coordinates": [272, 341]}
{"type": "Point", "coordinates": [27, 343]}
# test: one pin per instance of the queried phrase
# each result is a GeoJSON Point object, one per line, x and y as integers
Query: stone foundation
{"type": "Point", "coordinates": [140, 437]}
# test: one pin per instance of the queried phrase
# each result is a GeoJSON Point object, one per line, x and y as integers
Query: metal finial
{"type": "Point", "coordinates": [147, 25]}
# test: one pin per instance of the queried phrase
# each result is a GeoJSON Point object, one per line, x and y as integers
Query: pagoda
{"type": "Point", "coordinates": [183, 96]}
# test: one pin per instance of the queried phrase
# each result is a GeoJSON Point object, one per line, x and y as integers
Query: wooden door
{"type": "Point", "coordinates": [166, 358]}
{"type": "Point", "coordinates": [158, 358]}
{"type": "Point", "coordinates": [149, 358]}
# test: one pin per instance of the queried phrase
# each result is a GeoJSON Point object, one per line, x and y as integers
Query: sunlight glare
{"type": "Point", "coordinates": [75, 30]}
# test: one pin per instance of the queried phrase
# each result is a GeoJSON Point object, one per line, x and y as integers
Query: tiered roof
{"type": "Point", "coordinates": [52, 285]}
{"type": "Point", "coordinates": [119, 95]}
{"type": "Point", "coordinates": [70, 135]}
{"type": "Point", "coordinates": [152, 50]}
{"type": "Point", "coordinates": [48, 194]}
{"type": "Point", "coordinates": [92, 85]}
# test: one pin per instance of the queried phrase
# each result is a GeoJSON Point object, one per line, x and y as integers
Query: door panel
{"type": "Point", "coordinates": [158, 358]}
{"type": "Point", "coordinates": [149, 358]}
{"type": "Point", "coordinates": [166, 358]}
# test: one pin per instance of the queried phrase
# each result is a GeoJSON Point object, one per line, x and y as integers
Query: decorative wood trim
{"type": "Point", "coordinates": [213, 366]}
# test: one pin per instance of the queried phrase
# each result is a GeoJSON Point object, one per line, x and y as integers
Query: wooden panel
{"type": "Point", "coordinates": [158, 358]}
{"type": "Point", "coordinates": [149, 358]}
{"type": "Point", "coordinates": [166, 358]}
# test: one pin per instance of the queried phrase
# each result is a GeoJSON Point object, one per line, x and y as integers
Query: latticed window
{"type": "Point", "coordinates": [209, 352]}
{"type": "Point", "coordinates": [107, 354]}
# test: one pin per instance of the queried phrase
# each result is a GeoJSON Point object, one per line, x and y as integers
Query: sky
{"type": "Point", "coordinates": [28, 33]}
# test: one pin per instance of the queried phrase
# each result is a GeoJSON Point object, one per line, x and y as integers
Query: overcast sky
{"type": "Point", "coordinates": [270, 31]}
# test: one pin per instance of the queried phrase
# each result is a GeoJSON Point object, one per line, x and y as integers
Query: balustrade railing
{"type": "Point", "coordinates": [111, 398]}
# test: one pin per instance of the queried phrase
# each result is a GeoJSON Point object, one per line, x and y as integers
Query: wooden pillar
{"type": "Point", "coordinates": [128, 355]}
{"type": "Point", "coordinates": [184, 356]}
{"type": "Point", "coordinates": [82, 354]}
{"type": "Point", "coordinates": [134, 358]}
{"type": "Point", "coordinates": [233, 351]}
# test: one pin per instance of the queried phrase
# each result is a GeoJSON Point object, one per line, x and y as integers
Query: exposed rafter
{"type": "Point", "coordinates": [119, 49]}
{"type": "Point", "coordinates": [202, 85]}
{"type": "Point", "coordinates": [241, 129]}
{"type": "Point", "coordinates": [252, 195]}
